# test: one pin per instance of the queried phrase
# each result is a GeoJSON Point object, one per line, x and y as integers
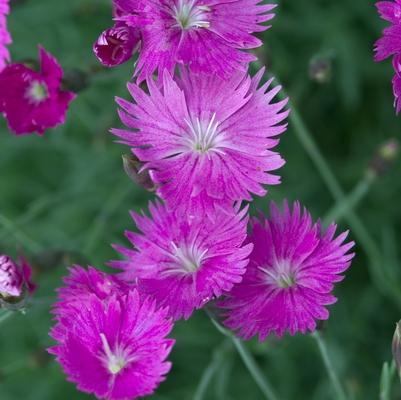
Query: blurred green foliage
{"type": "Point", "coordinates": [65, 198]}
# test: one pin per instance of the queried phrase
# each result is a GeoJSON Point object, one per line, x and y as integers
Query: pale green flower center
{"type": "Point", "coordinates": [115, 360]}
{"type": "Point", "coordinates": [186, 259]}
{"type": "Point", "coordinates": [281, 274]}
{"type": "Point", "coordinates": [188, 15]}
{"type": "Point", "coordinates": [37, 92]}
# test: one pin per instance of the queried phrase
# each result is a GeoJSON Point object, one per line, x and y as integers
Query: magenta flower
{"type": "Point", "coordinates": [116, 45]}
{"type": "Point", "coordinates": [183, 263]}
{"type": "Point", "coordinates": [15, 279]}
{"type": "Point", "coordinates": [115, 348]}
{"type": "Point", "coordinates": [5, 38]}
{"type": "Point", "coordinates": [390, 43]}
{"type": "Point", "coordinates": [291, 274]}
{"type": "Point", "coordinates": [205, 140]}
{"type": "Point", "coordinates": [207, 35]}
{"type": "Point", "coordinates": [33, 101]}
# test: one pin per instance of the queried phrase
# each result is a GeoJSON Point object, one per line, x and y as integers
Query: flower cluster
{"type": "Point", "coordinates": [389, 45]}
{"type": "Point", "coordinates": [204, 134]}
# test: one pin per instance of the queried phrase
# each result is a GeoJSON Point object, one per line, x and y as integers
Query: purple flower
{"type": "Point", "coordinates": [115, 348]}
{"type": "Point", "coordinates": [207, 35]}
{"type": "Point", "coordinates": [116, 45]}
{"type": "Point", "coordinates": [291, 274]}
{"type": "Point", "coordinates": [205, 140]}
{"type": "Point", "coordinates": [5, 37]}
{"type": "Point", "coordinates": [185, 262]}
{"type": "Point", "coordinates": [33, 101]}
{"type": "Point", "coordinates": [390, 43]}
{"type": "Point", "coordinates": [15, 278]}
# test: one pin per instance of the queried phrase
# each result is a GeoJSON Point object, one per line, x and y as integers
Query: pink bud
{"type": "Point", "coordinates": [116, 45]}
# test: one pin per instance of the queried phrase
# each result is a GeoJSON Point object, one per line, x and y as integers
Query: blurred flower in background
{"type": "Point", "coordinates": [5, 37]}
{"type": "Point", "coordinates": [34, 101]}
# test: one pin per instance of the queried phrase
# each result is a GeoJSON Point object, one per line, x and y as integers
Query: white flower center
{"type": "Point", "coordinates": [281, 274]}
{"type": "Point", "coordinates": [185, 259]}
{"type": "Point", "coordinates": [37, 92]}
{"type": "Point", "coordinates": [205, 136]}
{"type": "Point", "coordinates": [115, 360]}
{"type": "Point", "coordinates": [188, 15]}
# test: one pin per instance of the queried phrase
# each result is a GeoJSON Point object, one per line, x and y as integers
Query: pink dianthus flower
{"type": "Point", "coordinates": [110, 343]}
{"type": "Point", "coordinates": [33, 101]}
{"type": "Point", "coordinates": [5, 38]}
{"type": "Point", "coordinates": [390, 43]}
{"type": "Point", "coordinates": [185, 262]}
{"type": "Point", "coordinates": [290, 277]}
{"type": "Point", "coordinates": [207, 35]}
{"type": "Point", "coordinates": [205, 140]}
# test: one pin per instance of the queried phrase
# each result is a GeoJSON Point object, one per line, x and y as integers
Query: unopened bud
{"type": "Point", "coordinates": [320, 70]}
{"type": "Point", "coordinates": [75, 80]}
{"type": "Point", "coordinates": [384, 157]}
{"type": "Point", "coordinates": [396, 347]}
{"type": "Point", "coordinates": [134, 169]}
{"type": "Point", "coordinates": [15, 282]}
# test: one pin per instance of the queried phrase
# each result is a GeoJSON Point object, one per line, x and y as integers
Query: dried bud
{"type": "Point", "coordinates": [116, 45]}
{"type": "Point", "coordinates": [75, 80]}
{"type": "Point", "coordinates": [396, 347]}
{"type": "Point", "coordinates": [15, 281]}
{"type": "Point", "coordinates": [134, 169]}
{"type": "Point", "coordinates": [320, 70]}
{"type": "Point", "coordinates": [384, 157]}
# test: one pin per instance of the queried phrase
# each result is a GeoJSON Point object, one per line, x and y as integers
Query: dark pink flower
{"type": "Point", "coordinates": [15, 278]}
{"type": "Point", "coordinates": [206, 140]}
{"type": "Point", "coordinates": [290, 277]}
{"type": "Point", "coordinates": [33, 101]}
{"type": "Point", "coordinates": [117, 44]}
{"type": "Point", "coordinates": [209, 36]}
{"type": "Point", "coordinates": [185, 262]}
{"type": "Point", "coordinates": [5, 38]}
{"type": "Point", "coordinates": [114, 348]}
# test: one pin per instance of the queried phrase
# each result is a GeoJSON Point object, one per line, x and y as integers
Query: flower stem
{"type": "Point", "coordinates": [340, 394]}
{"type": "Point", "coordinates": [5, 315]}
{"type": "Point", "coordinates": [386, 381]}
{"type": "Point", "coordinates": [249, 362]}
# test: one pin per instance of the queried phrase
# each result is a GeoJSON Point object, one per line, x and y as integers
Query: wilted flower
{"type": "Point", "coordinates": [33, 101]}
{"type": "Point", "coordinates": [137, 172]}
{"type": "Point", "coordinates": [15, 279]}
{"type": "Point", "coordinates": [291, 274]}
{"type": "Point", "coordinates": [205, 140]}
{"type": "Point", "coordinates": [207, 35]}
{"type": "Point", "coordinates": [116, 347]}
{"type": "Point", "coordinates": [117, 44]}
{"type": "Point", "coordinates": [390, 43]}
{"type": "Point", "coordinates": [384, 157]}
{"type": "Point", "coordinates": [5, 38]}
{"type": "Point", "coordinates": [185, 262]}
{"type": "Point", "coordinates": [396, 347]}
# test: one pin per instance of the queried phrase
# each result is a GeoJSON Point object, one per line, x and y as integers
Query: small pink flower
{"type": "Point", "coordinates": [185, 262]}
{"type": "Point", "coordinates": [5, 38]}
{"type": "Point", "coordinates": [290, 277]}
{"type": "Point", "coordinates": [15, 278]}
{"type": "Point", "coordinates": [116, 45]}
{"type": "Point", "coordinates": [114, 348]}
{"type": "Point", "coordinates": [33, 101]}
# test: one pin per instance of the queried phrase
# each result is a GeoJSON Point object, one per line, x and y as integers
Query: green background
{"type": "Point", "coordinates": [64, 198]}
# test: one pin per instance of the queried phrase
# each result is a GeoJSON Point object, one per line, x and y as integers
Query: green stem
{"type": "Point", "coordinates": [211, 369]}
{"type": "Point", "coordinates": [386, 381]}
{"type": "Point", "coordinates": [249, 362]}
{"type": "Point", "coordinates": [5, 315]}
{"type": "Point", "coordinates": [350, 202]}
{"type": "Point", "coordinates": [340, 394]}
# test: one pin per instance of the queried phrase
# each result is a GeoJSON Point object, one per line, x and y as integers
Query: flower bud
{"type": "Point", "coordinates": [134, 169]}
{"type": "Point", "coordinates": [396, 347]}
{"type": "Point", "coordinates": [320, 70]}
{"type": "Point", "coordinates": [384, 157]}
{"type": "Point", "coordinates": [15, 280]}
{"type": "Point", "coordinates": [116, 45]}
